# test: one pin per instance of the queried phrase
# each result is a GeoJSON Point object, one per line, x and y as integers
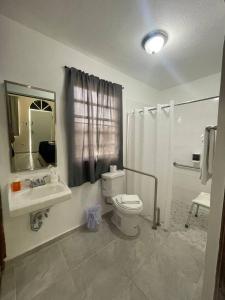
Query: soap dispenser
{"type": "Point", "coordinates": [54, 178]}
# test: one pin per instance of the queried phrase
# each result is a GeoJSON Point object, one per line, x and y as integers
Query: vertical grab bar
{"type": "Point", "coordinates": [156, 212]}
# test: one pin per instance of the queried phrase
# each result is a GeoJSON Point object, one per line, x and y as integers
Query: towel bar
{"type": "Point", "coordinates": [186, 166]}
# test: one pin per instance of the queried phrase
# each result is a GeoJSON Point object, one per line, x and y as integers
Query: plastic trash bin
{"type": "Point", "coordinates": [94, 218]}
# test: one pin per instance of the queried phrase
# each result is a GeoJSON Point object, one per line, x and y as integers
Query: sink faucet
{"type": "Point", "coordinates": [36, 182]}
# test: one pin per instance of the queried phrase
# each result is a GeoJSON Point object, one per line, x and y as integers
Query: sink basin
{"type": "Point", "coordinates": [32, 199]}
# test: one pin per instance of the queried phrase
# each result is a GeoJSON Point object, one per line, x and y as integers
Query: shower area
{"type": "Point", "coordinates": [167, 141]}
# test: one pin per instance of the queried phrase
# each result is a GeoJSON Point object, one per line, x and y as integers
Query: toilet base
{"type": "Point", "coordinates": [127, 224]}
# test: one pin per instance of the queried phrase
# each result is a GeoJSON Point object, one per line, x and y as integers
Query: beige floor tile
{"type": "Point", "coordinates": [36, 272]}
{"type": "Point", "coordinates": [82, 244]}
{"type": "Point", "coordinates": [63, 289]}
{"type": "Point", "coordinates": [105, 265]}
{"type": "Point", "coordinates": [8, 286]}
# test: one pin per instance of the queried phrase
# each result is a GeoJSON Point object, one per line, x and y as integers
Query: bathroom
{"type": "Point", "coordinates": [42, 43]}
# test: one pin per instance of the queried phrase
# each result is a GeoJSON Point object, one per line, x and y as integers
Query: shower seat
{"type": "Point", "coordinates": [203, 200]}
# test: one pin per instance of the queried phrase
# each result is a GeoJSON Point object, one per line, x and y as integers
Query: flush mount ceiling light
{"type": "Point", "coordinates": [154, 41]}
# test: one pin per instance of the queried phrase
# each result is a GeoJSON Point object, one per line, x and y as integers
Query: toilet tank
{"type": "Point", "coordinates": [113, 183]}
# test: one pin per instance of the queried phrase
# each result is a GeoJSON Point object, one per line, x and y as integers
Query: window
{"type": "Point", "coordinates": [104, 119]}
{"type": "Point", "coordinates": [94, 128]}
{"type": "Point", "coordinates": [40, 105]}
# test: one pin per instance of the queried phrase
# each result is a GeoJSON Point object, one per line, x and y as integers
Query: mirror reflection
{"type": "Point", "coordinates": [31, 128]}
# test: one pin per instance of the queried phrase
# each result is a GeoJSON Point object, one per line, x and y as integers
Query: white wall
{"type": "Point", "coordinates": [198, 89]}
{"type": "Point", "coordinates": [190, 122]}
{"type": "Point", "coordinates": [29, 57]}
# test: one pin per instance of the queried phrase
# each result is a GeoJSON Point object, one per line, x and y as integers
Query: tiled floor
{"type": "Point", "coordinates": [179, 213]}
{"type": "Point", "coordinates": [196, 234]}
{"type": "Point", "coordinates": [104, 266]}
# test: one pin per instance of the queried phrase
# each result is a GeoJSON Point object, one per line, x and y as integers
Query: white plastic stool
{"type": "Point", "coordinates": [203, 200]}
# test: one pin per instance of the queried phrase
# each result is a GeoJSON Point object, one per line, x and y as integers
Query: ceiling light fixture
{"type": "Point", "coordinates": [154, 41]}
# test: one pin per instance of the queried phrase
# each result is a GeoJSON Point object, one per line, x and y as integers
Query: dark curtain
{"type": "Point", "coordinates": [94, 126]}
{"type": "Point", "coordinates": [2, 239]}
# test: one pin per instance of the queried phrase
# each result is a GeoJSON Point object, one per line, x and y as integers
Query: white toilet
{"type": "Point", "coordinates": [126, 208]}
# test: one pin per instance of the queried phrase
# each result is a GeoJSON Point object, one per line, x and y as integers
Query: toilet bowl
{"type": "Point", "coordinates": [126, 208]}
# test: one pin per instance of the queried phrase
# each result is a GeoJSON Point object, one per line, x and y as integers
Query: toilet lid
{"type": "Point", "coordinates": [129, 202]}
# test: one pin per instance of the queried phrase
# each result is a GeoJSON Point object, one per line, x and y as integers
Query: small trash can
{"type": "Point", "coordinates": [93, 215]}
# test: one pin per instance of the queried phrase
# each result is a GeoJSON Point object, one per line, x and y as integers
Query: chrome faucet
{"type": "Point", "coordinates": [36, 182]}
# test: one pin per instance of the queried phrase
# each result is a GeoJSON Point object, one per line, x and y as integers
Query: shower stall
{"type": "Point", "coordinates": [161, 141]}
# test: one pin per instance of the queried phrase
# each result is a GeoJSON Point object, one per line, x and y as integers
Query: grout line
{"type": "Point", "coordinates": [63, 257]}
{"type": "Point", "coordinates": [134, 283]}
{"type": "Point", "coordinates": [92, 255]}
{"type": "Point", "coordinates": [14, 279]}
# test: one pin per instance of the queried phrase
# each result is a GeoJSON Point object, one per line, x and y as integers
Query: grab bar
{"type": "Point", "coordinates": [156, 213]}
{"type": "Point", "coordinates": [186, 166]}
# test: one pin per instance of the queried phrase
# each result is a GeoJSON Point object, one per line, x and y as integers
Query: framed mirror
{"type": "Point", "coordinates": [31, 126]}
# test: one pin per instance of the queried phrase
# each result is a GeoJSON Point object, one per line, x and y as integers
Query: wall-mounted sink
{"type": "Point", "coordinates": [32, 199]}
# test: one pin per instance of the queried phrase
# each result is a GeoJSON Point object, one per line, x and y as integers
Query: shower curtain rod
{"type": "Point", "coordinates": [178, 104]}
{"type": "Point", "coordinates": [69, 68]}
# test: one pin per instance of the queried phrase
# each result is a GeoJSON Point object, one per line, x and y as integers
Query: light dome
{"type": "Point", "coordinates": [154, 41]}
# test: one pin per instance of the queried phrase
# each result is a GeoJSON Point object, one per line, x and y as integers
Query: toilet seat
{"type": "Point", "coordinates": [128, 204]}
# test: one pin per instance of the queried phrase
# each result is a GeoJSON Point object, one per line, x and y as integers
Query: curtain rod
{"type": "Point", "coordinates": [69, 68]}
{"type": "Point", "coordinates": [178, 104]}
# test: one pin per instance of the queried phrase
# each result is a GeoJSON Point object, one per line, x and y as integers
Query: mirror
{"type": "Point", "coordinates": [31, 127]}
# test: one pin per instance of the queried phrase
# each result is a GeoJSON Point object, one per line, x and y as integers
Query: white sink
{"type": "Point", "coordinates": [32, 199]}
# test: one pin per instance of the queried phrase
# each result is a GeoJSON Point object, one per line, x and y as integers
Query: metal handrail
{"type": "Point", "coordinates": [186, 166]}
{"type": "Point", "coordinates": [156, 214]}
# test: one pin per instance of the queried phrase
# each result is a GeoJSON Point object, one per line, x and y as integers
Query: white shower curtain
{"type": "Point", "coordinates": [150, 149]}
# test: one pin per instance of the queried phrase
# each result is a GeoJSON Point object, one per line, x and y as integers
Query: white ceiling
{"type": "Point", "coordinates": [113, 29]}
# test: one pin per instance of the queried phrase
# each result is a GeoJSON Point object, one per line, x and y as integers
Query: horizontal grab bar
{"type": "Point", "coordinates": [186, 166]}
{"type": "Point", "coordinates": [140, 172]}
